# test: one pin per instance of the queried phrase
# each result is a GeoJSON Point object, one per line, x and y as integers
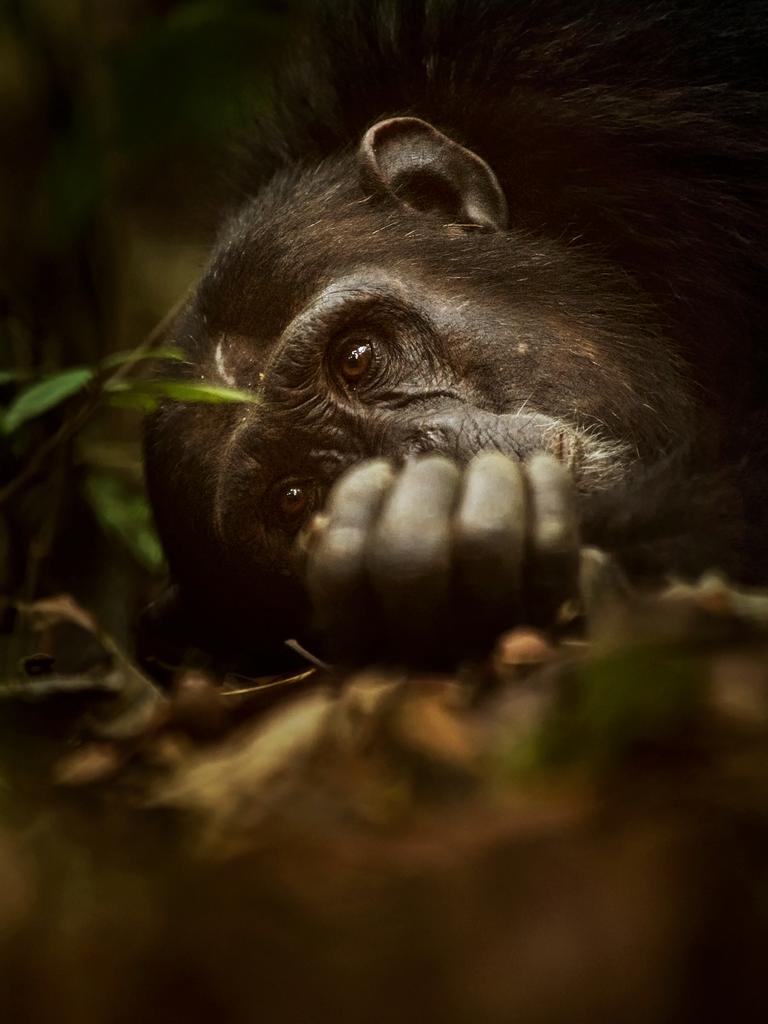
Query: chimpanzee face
{"type": "Point", "coordinates": [382, 305]}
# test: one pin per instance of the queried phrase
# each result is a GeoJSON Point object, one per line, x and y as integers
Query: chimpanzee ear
{"type": "Point", "coordinates": [429, 172]}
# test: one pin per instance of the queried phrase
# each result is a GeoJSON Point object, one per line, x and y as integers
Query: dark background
{"type": "Point", "coordinates": [120, 121]}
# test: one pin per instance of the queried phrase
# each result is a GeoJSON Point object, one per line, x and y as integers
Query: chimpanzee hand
{"type": "Point", "coordinates": [432, 561]}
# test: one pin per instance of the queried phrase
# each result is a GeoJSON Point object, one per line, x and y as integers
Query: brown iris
{"type": "Point", "coordinates": [293, 500]}
{"type": "Point", "coordinates": [355, 361]}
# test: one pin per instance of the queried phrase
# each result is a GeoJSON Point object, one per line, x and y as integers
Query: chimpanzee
{"type": "Point", "coordinates": [505, 259]}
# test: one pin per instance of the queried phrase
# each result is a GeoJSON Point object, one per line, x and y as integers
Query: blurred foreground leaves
{"type": "Point", "coordinates": [569, 831]}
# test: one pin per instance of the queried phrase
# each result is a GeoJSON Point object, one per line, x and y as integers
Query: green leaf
{"type": "Point", "coordinates": [135, 400]}
{"type": "Point", "coordinates": [146, 394]}
{"type": "Point", "coordinates": [122, 510]}
{"type": "Point", "coordinates": [44, 395]}
{"type": "Point", "coordinates": [132, 356]}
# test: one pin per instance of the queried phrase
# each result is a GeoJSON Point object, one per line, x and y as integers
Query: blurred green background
{"type": "Point", "coordinates": [118, 120]}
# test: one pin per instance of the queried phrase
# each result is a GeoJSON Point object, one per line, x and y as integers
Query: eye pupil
{"type": "Point", "coordinates": [356, 361]}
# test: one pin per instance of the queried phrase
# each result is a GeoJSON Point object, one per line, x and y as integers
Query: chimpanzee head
{"type": "Point", "coordinates": [384, 303]}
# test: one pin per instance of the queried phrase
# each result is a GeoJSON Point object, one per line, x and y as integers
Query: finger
{"type": "Point", "coordinates": [490, 536]}
{"type": "Point", "coordinates": [336, 574]}
{"type": "Point", "coordinates": [409, 555]}
{"type": "Point", "coordinates": [554, 537]}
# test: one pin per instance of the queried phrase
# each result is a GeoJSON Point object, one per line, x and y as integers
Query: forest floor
{"type": "Point", "coordinates": [568, 830]}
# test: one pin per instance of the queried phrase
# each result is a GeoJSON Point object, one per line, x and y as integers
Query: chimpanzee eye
{"type": "Point", "coordinates": [354, 360]}
{"type": "Point", "coordinates": [293, 499]}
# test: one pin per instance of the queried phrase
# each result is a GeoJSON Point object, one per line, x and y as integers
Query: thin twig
{"type": "Point", "coordinates": [294, 645]}
{"type": "Point", "coordinates": [274, 685]}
